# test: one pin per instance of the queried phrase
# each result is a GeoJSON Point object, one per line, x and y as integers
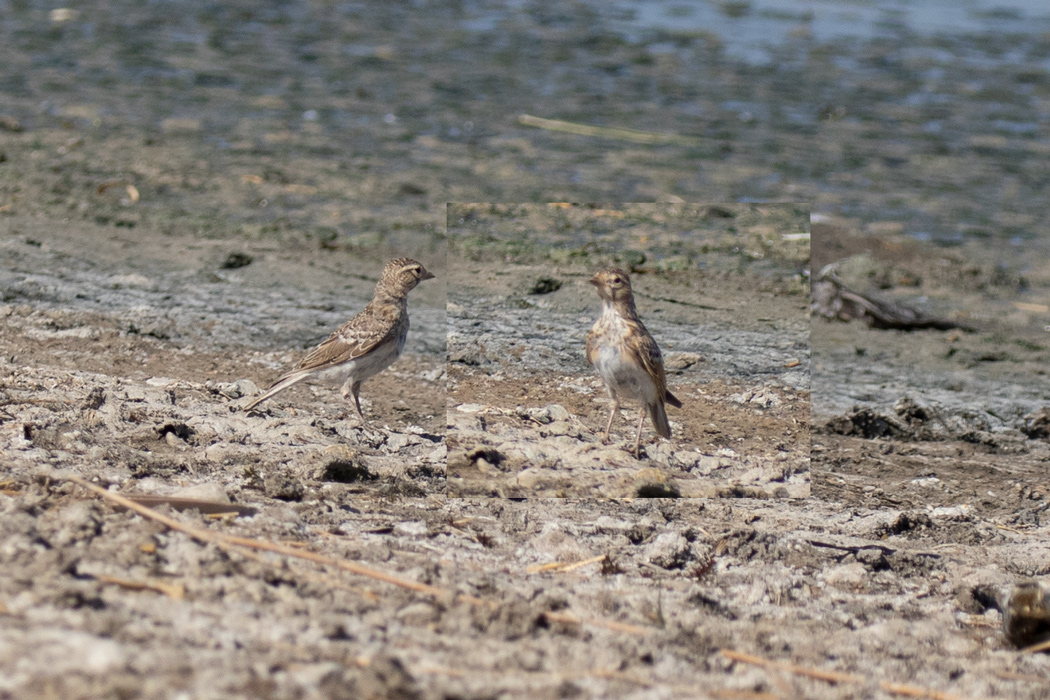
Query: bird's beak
{"type": "Point", "coordinates": [594, 281]}
{"type": "Point", "coordinates": [428, 276]}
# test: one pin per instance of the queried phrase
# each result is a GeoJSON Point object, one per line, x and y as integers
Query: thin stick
{"type": "Point", "coordinates": [1014, 676]}
{"type": "Point", "coordinates": [561, 567]}
{"type": "Point", "coordinates": [577, 565]}
{"type": "Point", "coordinates": [223, 540]}
{"type": "Point", "coordinates": [607, 132]}
{"type": "Point", "coordinates": [175, 591]}
{"type": "Point", "coordinates": [911, 691]}
{"type": "Point", "coordinates": [607, 624]}
{"type": "Point", "coordinates": [203, 535]}
{"type": "Point", "coordinates": [830, 676]}
{"type": "Point", "coordinates": [1040, 646]}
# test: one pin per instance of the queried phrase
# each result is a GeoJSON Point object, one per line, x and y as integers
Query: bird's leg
{"type": "Point", "coordinates": [352, 387]}
{"type": "Point", "coordinates": [638, 439]}
{"type": "Point", "coordinates": [357, 402]}
{"type": "Point", "coordinates": [612, 414]}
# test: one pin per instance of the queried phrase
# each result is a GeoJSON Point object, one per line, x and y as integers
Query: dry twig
{"type": "Point", "coordinates": [175, 591]}
{"type": "Point", "coordinates": [911, 691]}
{"type": "Point", "coordinates": [224, 540]}
{"type": "Point", "coordinates": [619, 134]}
{"type": "Point", "coordinates": [562, 567]}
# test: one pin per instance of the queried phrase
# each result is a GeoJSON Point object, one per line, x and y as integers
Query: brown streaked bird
{"type": "Point", "coordinates": [366, 344]}
{"type": "Point", "coordinates": [626, 356]}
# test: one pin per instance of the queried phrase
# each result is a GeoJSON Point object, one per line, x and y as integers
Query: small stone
{"type": "Point", "coordinates": [217, 453]}
{"type": "Point", "coordinates": [238, 389]}
{"type": "Point", "coordinates": [853, 576]}
{"type": "Point", "coordinates": [670, 550]}
{"type": "Point", "coordinates": [208, 491]}
{"type": "Point", "coordinates": [765, 399]}
{"type": "Point", "coordinates": [545, 285]}
{"type": "Point", "coordinates": [958, 513]}
{"type": "Point", "coordinates": [677, 361]}
{"type": "Point", "coordinates": [418, 614]}
{"type": "Point", "coordinates": [283, 487]}
{"type": "Point", "coordinates": [540, 415]}
{"type": "Point", "coordinates": [529, 478]}
{"type": "Point", "coordinates": [399, 441]}
{"type": "Point", "coordinates": [135, 393]}
{"type": "Point", "coordinates": [485, 467]}
{"type": "Point", "coordinates": [65, 652]}
{"type": "Point", "coordinates": [412, 528]}
{"type": "Point", "coordinates": [236, 260]}
{"type": "Point", "coordinates": [132, 280]}
{"type": "Point", "coordinates": [560, 427]}
{"type": "Point", "coordinates": [558, 412]}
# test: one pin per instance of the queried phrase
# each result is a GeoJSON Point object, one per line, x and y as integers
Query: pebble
{"type": "Point", "coordinates": [399, 441]}
{"type": "Point", "coordinates": [131, 280]}
{"type": "Point", "coordinates": [238, 389]}
{"type": "Point", "coordinates": [962, 512]}
{"type": "Point", "coordinates": [418, 614]}
{"type": "Point", "coordinates": [412, 528]}
{"type": "Point", "coordinates": [283, 486]}
{"type": "Point", "coordinates": [853, 576]}
{"type": "Point", "coordinates": [207, 491]}
{"type": "Point", "coordinates": [531, 478]}
{"type": "Point", "coordinates": [670, 550]}
{"type": "Point", "coordinates": [681, 360]}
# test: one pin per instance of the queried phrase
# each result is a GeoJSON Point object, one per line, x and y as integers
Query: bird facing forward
{"type": "Point", "coordinates": [626, 356]}
{"type": "Point", "coordinates": [366, 344]}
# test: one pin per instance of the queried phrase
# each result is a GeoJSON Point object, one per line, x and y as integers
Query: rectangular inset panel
{"type": "Point", "coordinates": [930, 380]}
{"type": "Point", "coordinates": [722, 290]}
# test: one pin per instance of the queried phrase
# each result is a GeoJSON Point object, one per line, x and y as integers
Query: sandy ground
{"type": "Point", "coordinates": [143, 145]}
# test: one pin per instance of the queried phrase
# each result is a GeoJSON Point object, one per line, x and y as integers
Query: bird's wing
{"type": "Point", "coordinates": [355, 338]}
{"type": "Point", "coordinates": [592, 347]}
{"type": "Point", "coordinates": [642, 348]}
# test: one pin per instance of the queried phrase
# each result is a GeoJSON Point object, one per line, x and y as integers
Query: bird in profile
{"type": "Point", "coordinates": [366, 344]}
{"type": "Point", "coordinates": [626, 356]}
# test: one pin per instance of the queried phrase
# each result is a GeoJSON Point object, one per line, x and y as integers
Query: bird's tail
{"type": "Point", "coordinates": [278, 386]}
{"type": "Point", "coordinates": [672, 399]}
{"type": "Point", "coordinates": [659, 417]}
